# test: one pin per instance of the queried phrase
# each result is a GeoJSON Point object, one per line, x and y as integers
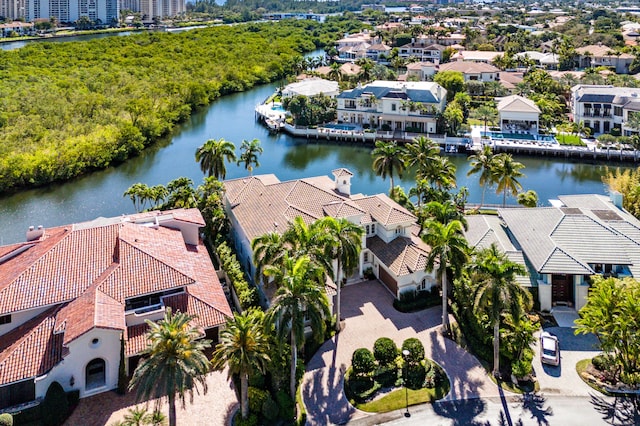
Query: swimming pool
{"type": "Point", "coordinates": [278, 108]}
{"type": "Point", "coordinates": [520, 137]}
{"type": "Point", "coordinates": [340, 126]}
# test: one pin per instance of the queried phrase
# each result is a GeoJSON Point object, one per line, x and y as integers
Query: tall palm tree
{"type": "Point", "coordinates": [388, 158]}
{"type": "Point", "coordinates": [448, 248]}
{"type": "Point", "coordinates": [310, 240]}
{"type": "Point", "coordinates": [445, 212]}
{"type": "Point", "coordinates": [506, 172]}
{"type": "Point", "coordinates": [421, 152]}
{"type": "Point", "coordinates": [335, 73]}
{"type": "Point", "coordinates": [441, 173]}
{"type": "Point", "coordinates": [249, 154]}
{"type": "Point", "coordinates": [173, 363]}
{"type": "Point", "coordinates": [483, 162]}
{"type": "Point", "coordinates": [244, 349]}
{"type": "Point", "coordinates": [212, 155]}
{"type": "Point", "coordinates": [268, 249]}
{"type": "Point", "coordinates": [486, 113]}
{"type": "Point", "coordinates": [345, 248]}
{"type": "Point", "coordinates": [498, 292]}
{"type": "Point", "coordinates": [298, 296]}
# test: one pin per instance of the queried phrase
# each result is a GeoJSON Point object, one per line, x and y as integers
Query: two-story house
{"type": "Point", "coordinates": [390, 247]}
{"type": "Point", "coordinates": [69, 294]}
{"type": "Point", "coordinates": [603, 108]}
{"type": "Point", "coordinates": [424, 52]}
{"type": "Point", "coordinates": [393, 105]}
{"type": "Point", "coordinates": [597, 55]}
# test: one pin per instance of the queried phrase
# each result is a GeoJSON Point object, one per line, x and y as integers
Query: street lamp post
{"type": "Point", "coordinates": [405, 354]}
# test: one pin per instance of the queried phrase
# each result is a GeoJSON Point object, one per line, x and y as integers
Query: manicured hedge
{"type": "Point", "coordinates": [247, 295]}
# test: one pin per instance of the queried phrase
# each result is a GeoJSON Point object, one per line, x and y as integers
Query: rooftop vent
{"type": "Point", "coordinates": [35, 234]}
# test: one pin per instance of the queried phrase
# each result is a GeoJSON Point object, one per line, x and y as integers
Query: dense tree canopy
{"type": "Point", "coordinates": [67, 108]}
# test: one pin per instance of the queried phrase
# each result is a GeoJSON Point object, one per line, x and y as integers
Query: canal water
{"type": "Point", "coordinates": [232, 117]}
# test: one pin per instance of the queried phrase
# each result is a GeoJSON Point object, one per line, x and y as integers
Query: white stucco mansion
{"type": "Point", "coordinates": [393, 105]}
{"type": "Point", "coordinates": [390, 247]}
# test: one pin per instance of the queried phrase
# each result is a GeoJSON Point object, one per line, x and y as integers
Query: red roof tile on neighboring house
{"type": "Point", "coordinates": [30, 349]}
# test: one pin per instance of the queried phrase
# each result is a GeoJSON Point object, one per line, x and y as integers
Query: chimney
{"type": "Point", "coordinates": [35, 234]}
{"type": "Point", "coordinates": [342, 181]}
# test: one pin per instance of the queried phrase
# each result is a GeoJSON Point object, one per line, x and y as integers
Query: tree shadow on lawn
{"type": "Point", "coordinates": [622, 411]}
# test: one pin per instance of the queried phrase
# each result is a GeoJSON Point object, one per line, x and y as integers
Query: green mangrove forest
{"type": "Point", "coordinates": [69, 108]}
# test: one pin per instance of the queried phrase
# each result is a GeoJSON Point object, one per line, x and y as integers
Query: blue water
{"type": "Point", "coordinates": [520, 137]}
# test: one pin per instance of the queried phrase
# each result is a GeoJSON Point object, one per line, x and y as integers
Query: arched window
{"type": "Point", "coordinates": [95, 376]}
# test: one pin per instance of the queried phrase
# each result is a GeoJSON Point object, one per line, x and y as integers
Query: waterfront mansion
{"type": "Point", "coordinates": [69, 294]}
{"type": "Point", "coordinates": [391, 249]}
{"type": "Point", "coordinates": [393, 105]}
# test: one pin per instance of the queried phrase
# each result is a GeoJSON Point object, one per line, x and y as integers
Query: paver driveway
{"type": "Point", "coordinates": [368, 314]}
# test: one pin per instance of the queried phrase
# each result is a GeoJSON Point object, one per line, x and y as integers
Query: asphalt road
{"type": "Point", "coordinates": [538, 410]}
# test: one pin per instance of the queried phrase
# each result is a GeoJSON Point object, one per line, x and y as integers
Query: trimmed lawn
{"type": "Point", "coordinates": [397, 399]}
{"type": "Point", "coordinates": [567, 139]}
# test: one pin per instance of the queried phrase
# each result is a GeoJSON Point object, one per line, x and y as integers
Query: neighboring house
{"type": "Point", "coordinates": [564, 245]}
{"type": "Point", "coordinates": [17, 27]}
{"type": "Point", "coordinates": [351, 40]}
{"type": "Point", "coordinates": [518, 114]}
{"type": "Point", "coordinates": [310, 87]}
{"type": "Point", "coordinates": [510, 79]}
{"type": "Point", "coordinates": [448, 40]}
{"type": "Point", "coordinates": [394, 105]}
{"type": "Point", "coordinates": [603, 108]}
{"type": "Point", "coordinates": [350, 53]}
{"type": "Point", "coordinates": [69, 294]}
{"type": "Point", "coordinates": [547, 61]}
{"type": "Point", "coordinates": [600, 55]}
{"type": "Point", "coordinates": [348, 69]}
{"type": "Point", "coordinates": [261, 204]}
{"type": "Point", "coordinates": [422, 51]}
{"type": "Point", "coordinates": [473, 71]}
{"type": "Point", "coordinates": [378, 52]}
{"type": "Point", "coordinates": [476, 56]}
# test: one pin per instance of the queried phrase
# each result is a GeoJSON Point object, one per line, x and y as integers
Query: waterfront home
{"type": "Point", "coordinates": [390, 247]}
{"type": "Point", "coordinates": [471, 71]}
{"type": "Point", "coordinates": [393, 105]}
{"type": "Point", "coordinates": [597, 55]}
{"type": "Point", "coordinates": [310, 87]}
{"type": "Point", "coordinates": [510, 79]}
{"type": "Point", "coordinates": [69, 294]}
{"type": "Point", "coordinates": [348, 70]}
{"type": "Point", "coordinates": [476, 56]}
{"type": "Point", "coordinates": [16, 28]}
{"type": "Point", "coordinates": [563, 245]}
{"type": "Point", "coordinates": [418, 49]}
{"type": "Point", "coordinates": [518, 114]}
{"type": "Point", "coordinates": [547, 61]}
{"type": "Point", "coordinates": [603, 108]}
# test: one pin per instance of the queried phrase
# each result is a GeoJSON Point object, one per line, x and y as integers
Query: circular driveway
{"type": "Point", "coordinates": [368, 313]}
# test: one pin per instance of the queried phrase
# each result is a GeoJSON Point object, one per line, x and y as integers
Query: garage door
{"type": "Point", "coordinates": [388, 280]}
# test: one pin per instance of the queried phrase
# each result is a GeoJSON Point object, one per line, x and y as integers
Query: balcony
{"type": "Point", "coordinates": [138, 316]}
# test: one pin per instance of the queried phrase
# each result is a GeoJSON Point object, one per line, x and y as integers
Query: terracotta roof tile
{"type": "Point", "coordinates": [402, 255]}
{"type": "Point", "coordinates": [30, 349]}
{"type": "Point", "coordinates": [384, 210]}
{"type": "Point", "coordinates": [136, 339]}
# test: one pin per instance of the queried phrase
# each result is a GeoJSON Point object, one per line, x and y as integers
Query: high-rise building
{"type": "Point", "coordinates": [12, 9]}
{"type": "Point", "coordinates": [67, 11]}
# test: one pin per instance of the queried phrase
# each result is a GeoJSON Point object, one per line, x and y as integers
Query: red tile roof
{"type": "Point", "coordinates": [30, 349]}
{"type": "Point", "coordinates": [86, 272]}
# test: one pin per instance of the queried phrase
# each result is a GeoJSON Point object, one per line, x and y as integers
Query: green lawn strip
{"type": "Point", "coordinates": [567, 139]}
{"type": "Point", "coordinates": [581, 368]}
{"type": "Point", "coordinates": [396, 399]}
{"type": "Point", "coordinates": [302, 409]}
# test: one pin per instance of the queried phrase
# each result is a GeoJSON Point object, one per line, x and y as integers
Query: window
{"type": "Point", "coordinates": [393, 107]}
{"type": "Point", "coordinates": [367, 229]}
{"type": "Point", "coordinates": [617, 111]}
{"type": "Point", "coordinates": [5, 319]}
{"type": "Point", "coordinates": [423, 285]}
{"type": "Point", "coordinates": [149, 299]}
{"type": "Point", "coordinates": [366, 256]}
{"type": "Point", "coordinates": [95, 374]}
{"type": "Point", "coordinates": [399, 230]}
{"type": "Point", "coordinates": [373, 228]}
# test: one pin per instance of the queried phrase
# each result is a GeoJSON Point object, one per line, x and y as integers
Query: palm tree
{"type": "Point", "coordinates": [388, 158]}
{"type": "Point", "coordinates": [421, 152]}
{"type": "Point", "coordinates": [335, 73]}
{"type": "Point", "coordinates": [268, 249]}
{"type": "Point", "coordinates": [345, 248]}
{"type": "Point", "coordinates": [139, 193]}
{"type": "Point", "coordinates": [445, 212]}
{"type": "Point", "coordinates": [244, 349]}
{"type": "Point", "coordinates": [298, 296]}
{"type": "Point", "coordinates": [448, 248]}
{"type": "Point", "coordinates": [440, 173]}
{"type": "Point", "coordinates": [173, 363]}
{"type": "Point", "coordinates": [212, 155]}
{"type": "Point", "coordinates": [486, 113]}
{"type": "Point", "coordinates": [498, 291]}
{"type": "Point", "coordinates": [506, 172]}
{"type": "Point", "coordinates": [249, 155]}
{"type": "Point", "coordinates": [483, 162]}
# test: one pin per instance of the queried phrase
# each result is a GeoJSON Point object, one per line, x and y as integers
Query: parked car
{"type": "Point", "coordinates": [549, 349]}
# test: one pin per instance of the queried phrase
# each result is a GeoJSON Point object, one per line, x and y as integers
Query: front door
{"type": "Point", "coordinates": [562, 288]}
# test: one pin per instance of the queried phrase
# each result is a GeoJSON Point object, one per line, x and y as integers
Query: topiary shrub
{"type": "Point", "coordinates": [257, 397]}
{"type": "Point", "coordinates": [55, 406]}
{"type": "Point", "coordinates": [6, 419]}
{"type": "Point", "coordinates": [363, 362]}
{"type": "Point", "coordinates": [386, 375]}
{"type": "Point", "coordinates": [415, 348]}
{"type": "Point", "coordinates": [385, 351]}
{"type": "Point", "coordinates": [270, 409]}
{"type": "Point", "coordinates": [415, 375]}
